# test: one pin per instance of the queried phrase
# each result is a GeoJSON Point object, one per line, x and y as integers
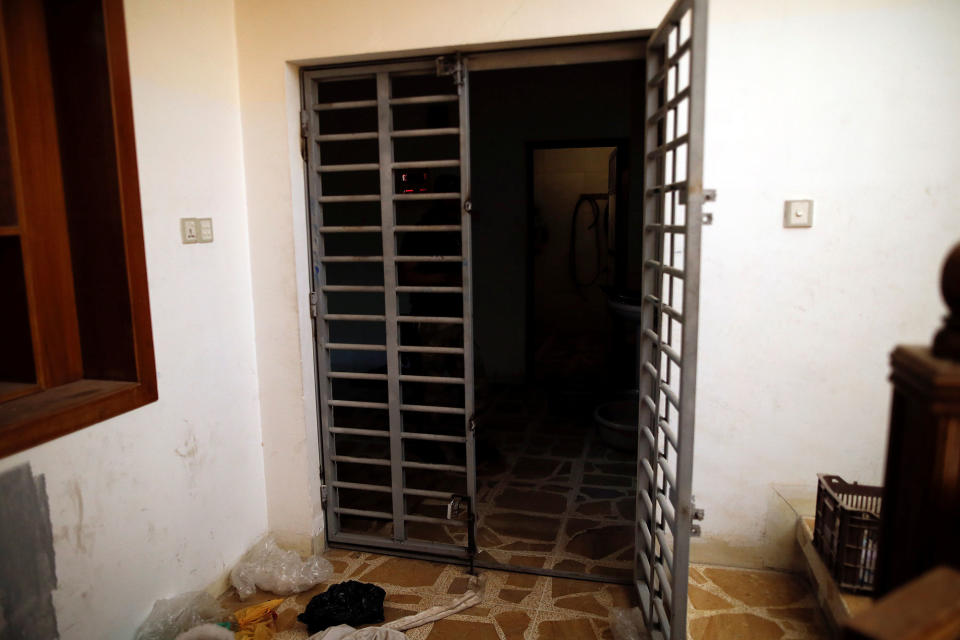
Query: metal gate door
{"type": "Point", "coordinates": [673, 197]}
{"type": "Point", "coordinates": [388, 183]}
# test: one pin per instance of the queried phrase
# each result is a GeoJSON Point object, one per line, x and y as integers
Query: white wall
{"type": "Point", "coordinates": [165, 498]}
{"type": "Point", "coordinates": [852, 104]}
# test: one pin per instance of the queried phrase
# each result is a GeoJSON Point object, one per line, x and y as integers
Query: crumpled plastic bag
{"type": "Point", "coordinates": [277, 570]}
{"type": "Point", "coordinates": [353, 603]}
{"type": "Point", "coordinates": [172, 616]}
{"type": "Point", "coordinates": [346, 632]}
{"type": "Point", "coordinates": [627, 624]}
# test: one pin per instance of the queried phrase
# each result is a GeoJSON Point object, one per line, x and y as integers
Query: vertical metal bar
{"type": "Point", "coordinates": [691, 311]}
{"type": "Point", "coordinates": [384, 127]}
{"type": "Point", "coordinates": [466, 250]}
{"type": "Point", "coordinates": [321, 328]}
{"type": "Point", "coordinates": [646, 351]}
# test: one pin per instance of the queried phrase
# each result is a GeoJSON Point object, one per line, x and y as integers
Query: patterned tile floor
{"type": "Point", "coordinates": [550, 492]}
{"type": "Point", "coordinates": [724, 603]}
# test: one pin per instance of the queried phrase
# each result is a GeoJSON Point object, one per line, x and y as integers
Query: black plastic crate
{"type": "Point", "coordinates": [846, 531]}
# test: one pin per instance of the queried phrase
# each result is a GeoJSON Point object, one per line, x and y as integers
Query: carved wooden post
{"type": "Point", "coordinates": [920, 525]}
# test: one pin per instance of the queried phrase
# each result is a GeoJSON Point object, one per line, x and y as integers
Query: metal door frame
{"type": "Point", "coordinates": [390, 288]}
{"type": "Point", "coordinates": [674, 124]}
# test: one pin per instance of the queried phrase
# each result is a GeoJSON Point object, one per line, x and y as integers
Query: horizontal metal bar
{"type": "Point", "coordinates": [354, 317]}
{"type": "Point", "coordinates": [424, 99]}
{"type": "Point", "coordinates": [666, 228]}
{"type": "Point", "coordinates": [352, 288]}
{"type": "Point", "coordinates": [434, 379]}
{"type": "Point", "coordinates": [665, 549]}
{"type": "Point", "coordinates": [668, 106]}
{"type": "Point", "coordinates": [668, 512]}
{"type": "Point", "coordinates": [412, 289]}
{"type": "Point", "coordinates": [430, 195]}
{"type": "Point", "coordinates": [647, 400]}
{"type": "Point", "coordinates": [380, 515]}
{"type": "Point", "coordinates": [668, 432]}
{"type": "Point", "coordinates": [351, 259]}
{"type": "Point", "coordinates": [662, 615]}
{"type": "Point", "coordinates": [367, 197]}
{"type": "Point", "coordinates": [343, 137]}
{"type": "Point", "coordinates": [355, 346]}
{"type": "Point", "coordinates": [427, 493]}
{"type": "Point", "coordinates": [415, 518]}
{"type": "Point", "coordinates": [358, 404]}
{"type": "Point", "coordinates": [666, 188]}
{"type": "Point", "coordinates": [665, 586]}
{"type": "Point", "coordinates": [427, 227]}
{"type": "Point", "coordinates": [423, 349]}
{"type": "Point", "coordinates": [671, 396]}
{"type": "Point", "coordinates": [352, 375]}
{"type": "Point", "coordinates": [667, 309]}
{"type": "Point", "coordinates": [431, 319]}
{"type": "Point", "coordinates": [345, 104]}
{"type": "Point", "coordinates": [425, 164]}
{"type": "Point", "coordinates": [648, 434]}
{"type": "Point", "coordinates": [370, 228]}
{"type": "Point", "coordinates": [376, 462]}
{"type": "Point", "coordinates": [645, 530]}
{"type": "Point", "coordinates": [656, 264]}
{"type": "Point", "coordinates": [370, 433]}
{"type": "Point", "coordinates": [435, 467]}
{"type": "Point", "coordinates": [360, 485]}
{"type": "Point", "coordinates": [645, 465]}
{"type": "Point", "coordinates": [669, 146]}
{"type": "Point", "coordinates": [425, 408]}
{"type": "Point", "coordinates": [669, 63]}
{"type": "Point", "coordinates": [647, 502]}
{"type": "Point", "coordinates": [416, 133]}
{"type": "Point", "coordinates": [663, 346]}
{"type": "Point", "coordinates": [342, 168]}
{"type": "Point", "coordinates": [667, 472]}
{"type": "Point", "coordinates": [431, 437]}
{"type": "Point", "coordinates": [428, 259]}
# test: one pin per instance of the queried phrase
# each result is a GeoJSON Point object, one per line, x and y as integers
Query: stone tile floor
{"type": "Point", "coordinates": [724, 603]}
{"type": "Point", "coordinates": [550, 492]}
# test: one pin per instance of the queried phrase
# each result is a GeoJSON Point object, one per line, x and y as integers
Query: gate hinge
{"type": "Point", "coordinates": [696, 515]}
{"type": "Point", "coordinates": [448, 66]}
{"type": "Point", "coordinates": [472, 423]}
{"type": "Point", "coordinates": [709, 195]}
{"type": "Point", "coordinates": [323, 494]}
{"type": "Point", "coordinates": [313, 304]}
{"type": "Point", "coordinates": [304, 132]}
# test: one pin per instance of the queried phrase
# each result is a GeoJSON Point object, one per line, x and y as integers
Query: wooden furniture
{"type": "Point", "coordinates": [927, 608]}
{"type": "Point", "coordinates": [920, 526]}
{"type": "Point", "coordinates": [75, 335]}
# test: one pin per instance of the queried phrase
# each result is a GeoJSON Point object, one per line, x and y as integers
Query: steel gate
{"type": "Point", "coordinates": [673, 198]}
{"type": "Point", "coordinates": [387, 152]}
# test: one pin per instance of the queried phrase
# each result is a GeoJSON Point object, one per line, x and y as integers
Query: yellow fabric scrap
{"type": "Point", "coordinates": [257, 622]}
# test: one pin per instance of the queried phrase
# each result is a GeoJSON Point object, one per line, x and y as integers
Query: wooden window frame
{"type": "Point", "coordinates": [66, 396]}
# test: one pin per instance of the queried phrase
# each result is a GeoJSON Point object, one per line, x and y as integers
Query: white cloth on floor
{"type": "Point", "coordinates": [391, 630]}
{"type": "Point", "coordinates": [207, 632]}
{"type": "Point", "coordinates": [346, 632]}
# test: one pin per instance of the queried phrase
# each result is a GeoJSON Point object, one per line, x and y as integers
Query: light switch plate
{"type": "Point", "coordinates": [205, 229]}
{"type": "Point", "coordinates": [188, 230]}
{"type": "Point", "coordinates": [798, 214]}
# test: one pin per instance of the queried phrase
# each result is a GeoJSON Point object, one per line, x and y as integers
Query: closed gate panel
{"type": "Point", "coordinates": [388, 184]}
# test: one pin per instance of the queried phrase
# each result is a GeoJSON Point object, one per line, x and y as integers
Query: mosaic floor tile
{"type": "Point", "coordinates": [529, 607]}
